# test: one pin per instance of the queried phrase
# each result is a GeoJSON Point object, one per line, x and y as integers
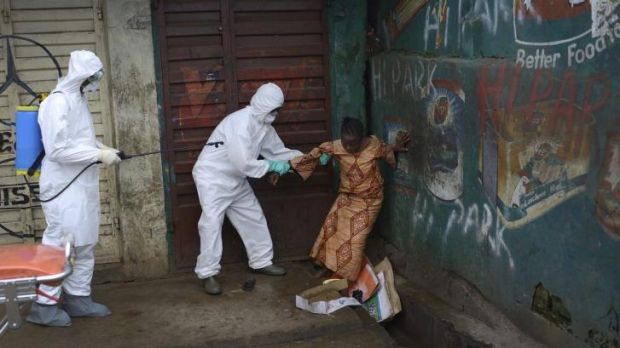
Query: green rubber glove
{"type": "Point", "coordinates": [324, 159]}
{"type": "Point", "coordinates": [280, 167]}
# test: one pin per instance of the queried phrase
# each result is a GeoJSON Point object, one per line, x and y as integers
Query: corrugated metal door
{"type": "Point", "coordinates": [62, 26]}
{"type": "Point", "coordinates": [214, 55]}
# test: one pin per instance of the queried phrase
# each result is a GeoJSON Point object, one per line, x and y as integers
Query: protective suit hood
{"type": "Point", "coordinates": [82, 65]}
{"type": "Point", "coordinates": [267, 98]}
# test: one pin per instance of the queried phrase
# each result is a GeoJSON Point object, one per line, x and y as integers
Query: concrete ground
{"type": "Point", "coordinates": [175, 312]}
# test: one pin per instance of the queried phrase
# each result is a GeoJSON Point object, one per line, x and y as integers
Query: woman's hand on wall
{"type": "Point", "coordinates": [402, 140]}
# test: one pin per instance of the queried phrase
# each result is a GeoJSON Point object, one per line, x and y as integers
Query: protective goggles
{"type": "Point", "coordinates": [95, 77]}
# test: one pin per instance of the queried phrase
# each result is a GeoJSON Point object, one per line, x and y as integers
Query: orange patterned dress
{"type": "Point", "coordinates": [341, 241]}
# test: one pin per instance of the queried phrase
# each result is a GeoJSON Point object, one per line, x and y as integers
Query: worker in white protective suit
{"type": "Point", "coordinates": [230, 156]}
{"type": "Point", "coordinates": [70, 145]}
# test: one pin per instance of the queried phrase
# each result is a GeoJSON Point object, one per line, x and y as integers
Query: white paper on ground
{"type": "Point", "coordinates": [325, 307]}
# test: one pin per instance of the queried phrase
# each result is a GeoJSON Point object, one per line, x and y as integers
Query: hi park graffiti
{"type": "Point", "coordinates": [394, 77]}
{"type": "Point", "coordinates": [440, 16]}
{"type": "Point", "coordinates": [477, 220]}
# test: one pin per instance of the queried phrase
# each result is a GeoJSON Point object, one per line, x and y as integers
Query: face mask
{"type": "Point", "coordinates": [92, 83]}
{"type": "Point", "coordinates": [270, 117]}
{"type": "Point", "coordinates": [92, 87]}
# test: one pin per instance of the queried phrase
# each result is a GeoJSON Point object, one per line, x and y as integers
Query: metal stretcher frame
{"type": "Point", "coordinates": [16, 292]}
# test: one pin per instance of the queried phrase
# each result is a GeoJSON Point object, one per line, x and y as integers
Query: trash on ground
{"type": "Point", "coordinates": [325, 299]}
{"type": "Point", "coordinates": [385, 304]}
{"type": "Point", "coordinates": [374, 289]}
{"type": "Point", "coordinates": [366, 284]}
{"type": "Point", "coordinates": [248, 284]}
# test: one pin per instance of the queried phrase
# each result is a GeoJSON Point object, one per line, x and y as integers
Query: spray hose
{"type": "Point", "coordinates": [66, 187]}
{"type": "Point", "coordinates": [122, 156]}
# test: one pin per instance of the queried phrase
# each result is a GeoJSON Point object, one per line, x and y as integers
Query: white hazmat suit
{"type": "Point", "coordinates": [70, 145]}
{"type": "Point", "coordinates": [221, 175]}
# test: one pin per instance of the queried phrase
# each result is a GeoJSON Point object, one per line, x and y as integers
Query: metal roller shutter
{"type": "Point", "coordinates": [214, 54]}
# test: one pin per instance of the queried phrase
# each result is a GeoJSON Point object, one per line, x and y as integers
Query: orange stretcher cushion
{"type": "Point", "coordinates": [29, 260]}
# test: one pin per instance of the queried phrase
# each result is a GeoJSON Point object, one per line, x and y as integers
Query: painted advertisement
{"type": "Point", "coordinates": [539, 164]}
{"type": "Point", "coordinates": [443, 165]}
{"type": "Point", "coordinates": [608, 192]}
{"type": "Point", "coordinates": [551, 34]}
{"type": "Point", "coordinates": [604, 15]}
{"type": "Point", "coordinates": [392, 126]}
{"type": "Point", "coordinates": [536, 134]}
{"type": "Point", "coordinates": [435, 118]}
{"type": "Point", "coordinates": [547, 23]}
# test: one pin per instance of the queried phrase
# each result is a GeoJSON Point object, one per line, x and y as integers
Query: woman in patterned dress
{"type": "Point", "coordinates": [341, 241]}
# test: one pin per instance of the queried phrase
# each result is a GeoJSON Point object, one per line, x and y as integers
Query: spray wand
{"type": "Point", "coordinates": [121, 155]}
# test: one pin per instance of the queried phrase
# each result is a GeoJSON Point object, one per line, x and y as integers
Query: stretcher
{"type": "Point", "coordinates": [22, 268]}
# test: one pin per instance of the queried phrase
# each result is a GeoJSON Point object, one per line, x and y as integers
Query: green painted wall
{"type": "Point", "coordinates": [347, 59]}
{"type": "Point", "coordinates": [513, 176]}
